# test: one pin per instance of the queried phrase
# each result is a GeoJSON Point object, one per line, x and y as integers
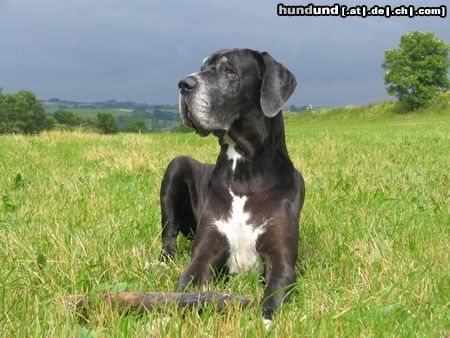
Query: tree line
{"type": "Point", "coordinates": [138, 121]}
{"type": "Point", "coordinates": [104, 122]}
{"type": "Point", "coordinates": [23, 112]}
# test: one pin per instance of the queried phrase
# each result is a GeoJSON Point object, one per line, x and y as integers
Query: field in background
{"type": "Point", "coordinates": [80, 213]}
{"type": "Point", "coordinates": [165, 119]}
{"type": "Point", "coordinates": [92, 112]}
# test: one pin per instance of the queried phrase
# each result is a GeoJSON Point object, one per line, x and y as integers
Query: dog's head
{"type": "Point", "coordinates": [230, 83]}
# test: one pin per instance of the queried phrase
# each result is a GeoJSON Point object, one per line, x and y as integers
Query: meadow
{"type": "Point", "coordinates": [79, 213]}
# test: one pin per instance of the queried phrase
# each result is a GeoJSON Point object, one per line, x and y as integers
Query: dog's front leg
{"type": "Point", "coordinates": [208, 254]}
{"type": "Point", "coordinates": [197, 273]}
{"type": "Point", "coordinates": [280, 277]}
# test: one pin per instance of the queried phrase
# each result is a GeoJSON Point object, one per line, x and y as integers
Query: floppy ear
{"type": "Point", "coordinates": [278, 84]}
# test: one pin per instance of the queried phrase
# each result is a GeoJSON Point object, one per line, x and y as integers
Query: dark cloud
{"type": "Point", "coordinates": [138, 50]}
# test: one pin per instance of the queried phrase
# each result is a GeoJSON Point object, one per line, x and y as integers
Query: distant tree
{"type": "Point", "coordinates": [122, 120]}
{"type": "Point", "coordinates": [67, 117]}
{"type": "Point", "coordinates": [107, 123]}
{"type": "Point", "coordinates": [135, 125]}
{"type": "Point", "coordinates": [89, 122]}
{"type": "Point", "coordinates": [417, 72]}
{"type": "Point", "coordinates": [21, 113]}
{"type": "Point", "coordinates": [49, 123]}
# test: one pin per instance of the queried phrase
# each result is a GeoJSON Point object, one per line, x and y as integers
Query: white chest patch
{"type": "Point", "coordinates": [241, 236]}
{"type": "Point", "coordinates": [232, 153]}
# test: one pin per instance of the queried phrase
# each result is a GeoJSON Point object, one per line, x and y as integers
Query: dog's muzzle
{"type": "Point", "coordinates": [187, 86]}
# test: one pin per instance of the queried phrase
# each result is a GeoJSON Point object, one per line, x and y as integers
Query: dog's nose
{"type": "Point", "coordinates": [187, 84]}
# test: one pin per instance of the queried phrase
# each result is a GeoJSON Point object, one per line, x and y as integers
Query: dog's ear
{"type": "Point", "coordinates": [277, 86]}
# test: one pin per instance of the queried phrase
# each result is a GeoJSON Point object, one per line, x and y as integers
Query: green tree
{"type": "Point", "coordinates": [417, 72]}
{"type": "Point", "coordinates": [67, 117]}
{"type": "Point", "coordinates": [107, 123]}
{"type": "Point", "coordinates": [135, 125]}
{"type": "Point", "coordinates": [50, 123]}
{"type": "Point", "coordinates": [22, 113]}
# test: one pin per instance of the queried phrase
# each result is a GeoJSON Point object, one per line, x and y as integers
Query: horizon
{"type": "Point", "coordinates": [112, 100]}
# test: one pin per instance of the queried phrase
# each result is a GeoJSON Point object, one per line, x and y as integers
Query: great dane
{"type": "Point", "coordinates": [243, 212]}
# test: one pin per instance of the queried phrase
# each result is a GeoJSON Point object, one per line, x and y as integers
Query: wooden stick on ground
{"type": "Point", "coordinates": [141, 302]}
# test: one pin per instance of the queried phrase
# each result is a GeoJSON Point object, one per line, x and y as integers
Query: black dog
{"type": "Point", "coordinates": [244, 209]}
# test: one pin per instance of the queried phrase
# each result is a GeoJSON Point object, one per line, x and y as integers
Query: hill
{"type": "Point", "coordinates": [373, 111]}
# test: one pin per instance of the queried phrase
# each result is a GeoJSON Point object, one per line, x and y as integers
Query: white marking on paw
{"type": "Point", "coordinates": [267, 323]}
{"type": "Point", "coordinates": [241, 236]}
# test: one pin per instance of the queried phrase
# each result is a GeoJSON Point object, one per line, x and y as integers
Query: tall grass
{"type": "Point", "coordinates": [79, 213]}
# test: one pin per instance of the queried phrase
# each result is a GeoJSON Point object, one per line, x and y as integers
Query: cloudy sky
{"type": "Point", "coordinates": [92, 50]}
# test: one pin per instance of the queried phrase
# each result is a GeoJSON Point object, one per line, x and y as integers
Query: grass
{"type": "Point", "coordinates": [79, 213]}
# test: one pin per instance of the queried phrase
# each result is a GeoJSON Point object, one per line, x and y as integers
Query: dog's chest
{"type": "Point", "coordinates": [241, 235]}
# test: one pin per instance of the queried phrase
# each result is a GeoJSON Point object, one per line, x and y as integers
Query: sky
{"type": "Point", "coordinates": [96, 50]}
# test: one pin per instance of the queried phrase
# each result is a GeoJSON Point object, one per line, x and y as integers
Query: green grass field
{"type": "Point", "coordinates": [79, 213]}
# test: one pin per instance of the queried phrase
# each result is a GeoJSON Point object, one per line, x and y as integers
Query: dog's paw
{"type": "Point", "coordinates": [168, 252]}
{"type": "Point", "coordinates": [267, 323]}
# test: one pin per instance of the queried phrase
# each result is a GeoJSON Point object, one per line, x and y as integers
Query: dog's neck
{"type": "Point", "coordinates": [254, 145]}
{"type": "Point", "coordinates": [256, 135]}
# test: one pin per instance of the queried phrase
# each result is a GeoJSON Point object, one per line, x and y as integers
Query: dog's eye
{"type": "Point", "coordinates": [230, 73]}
